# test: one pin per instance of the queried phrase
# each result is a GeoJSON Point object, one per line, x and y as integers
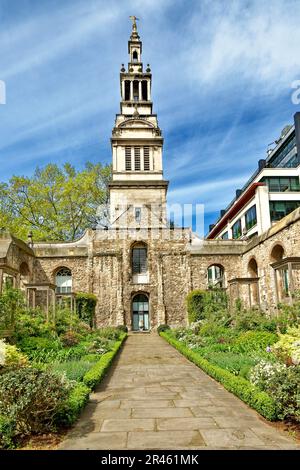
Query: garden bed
{"type": "Point", "coordinates": [253, 355]}
{"type": "Point", "coordinates": [47, 371]}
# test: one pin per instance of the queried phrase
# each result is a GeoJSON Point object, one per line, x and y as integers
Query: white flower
{"type": "Point", "coordinates": [2, 352]}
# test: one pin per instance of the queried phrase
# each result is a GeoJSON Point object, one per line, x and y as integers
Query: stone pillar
{"type": "Point", "coordinates": [161, 311]}
{"type": "Point", "coordinates": [149, 90]}
{"type": "Point", "coordinates": [140, 90]}
{"type": "Point", "coordinates": [291, 282]}
{"type": "Point", "coordinates": [131, 90]}
{"type": "Point", "coordinates": [1, 280]}
{"type": "Point", "coordinates": [123, 90]}
{"type": "Point", "coordinates": [120, 315]}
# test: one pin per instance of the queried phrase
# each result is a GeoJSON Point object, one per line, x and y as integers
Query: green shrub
{"type": "Point", "coordinates": [7, 427]}
{"type": "Point", "coordinates": [162, 328]}
{"type": "Point", "coordinates": [210, 304]}
{"type": "Point", "coordinates": [32, 322]}
{"type": "Point", "coordinates": [109, 333]}
{"type": "Point", "coordinates": [122, 328]}
{"type": "Point", "coordinates": [86, 305]}
{"type": "Point", "coordinates": [99, 345]}
{"type": "Point", "coordinates": [255, 319]}
{"type": "Point", "coordinates": [58, 355]}
{"type": "Point", "coordinates": [241, 387]}
{"type": "Point", "coordinates": [72, 406]}
{"type": "Point", "coordinates": [195, 301]}
{"type": "Point", "coordinates": [251, 341]}
{"type": "Point", "coordinates": [31, 399]}
{"type": "Point", "coordinates": [237, 364]}
{"type": "Point", "coordinates": [98, 371]}
{"type": "Point", "coordinates": [215, 330]}
{"type": "Point", "coordinates": [11, 303]}
{"type": "Point", "coordinates": [74, 370]}
{"type": "Point", "coordinates": [33, 343]}
{"type": "Point", "coordinates": [70, 338]}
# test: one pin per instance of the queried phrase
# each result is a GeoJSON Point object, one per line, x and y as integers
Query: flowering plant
{"type": "Point", "coordinates": [262, 374]}
{"type": "Point", "coordinates": [10, 356]}
{"type": "Point", "coordinates": [288, 346]}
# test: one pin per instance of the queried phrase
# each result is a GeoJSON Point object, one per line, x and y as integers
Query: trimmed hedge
{"type": "Point", "coordinates": [98, 371]}
{"type": "Point", "coordinates": [242, 388]}
{"type": "Point", "coordinates": [72, 407]}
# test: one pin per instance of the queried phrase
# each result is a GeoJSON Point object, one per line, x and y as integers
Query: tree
{"type": "Point", "coordinates": [55, 203]}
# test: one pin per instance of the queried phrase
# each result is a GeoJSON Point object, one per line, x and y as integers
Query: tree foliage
{"type": "Point", "coordinates": [56, 203]}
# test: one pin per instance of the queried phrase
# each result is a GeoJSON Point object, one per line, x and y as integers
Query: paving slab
{"type": "Point", "coordinates": [154, 398]}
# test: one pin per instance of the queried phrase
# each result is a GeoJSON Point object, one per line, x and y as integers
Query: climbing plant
{"type": "Point", "coordinates": [86, 305]}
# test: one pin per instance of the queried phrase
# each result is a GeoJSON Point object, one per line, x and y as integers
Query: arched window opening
{"type": "Point", "coordinates": [140, 313]}
{"type": "Point", "coordinates": [277, 253]}
{"type": "Point", "coordinates": [135, 56]}
{"type": "Point", "coordinates": [282, 279]}
{"type": "Point", "coordinates": [252, 268]}
{"type": "Point", "coordinates": [63, 281]}
{"type": "Point", "coordinates": [216, 276]}
{"type": "Point", "coordinates": [144, 90]}
{"type": "Point", "coordinates": [253, 285]}
{"type": "Point", "coordinates": [139, 258]}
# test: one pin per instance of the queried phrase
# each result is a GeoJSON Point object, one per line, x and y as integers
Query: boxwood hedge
{"type": "Point", "coordinates": [98, 371]}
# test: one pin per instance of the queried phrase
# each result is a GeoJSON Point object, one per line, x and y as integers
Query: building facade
{"type": "Point", "coordinates": [140, 268]}
{"type": "Point", "coordinates": [271, 193]}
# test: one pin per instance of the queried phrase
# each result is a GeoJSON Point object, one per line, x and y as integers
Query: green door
{"type": "Point", "coordinates": [140, 313]}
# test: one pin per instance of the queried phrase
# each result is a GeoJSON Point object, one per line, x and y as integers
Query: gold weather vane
{"type": "Point", "coordinates": [134, 19]}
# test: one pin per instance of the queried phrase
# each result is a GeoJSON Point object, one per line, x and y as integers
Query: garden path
{"type": "Point", "coordinates": [154, 398]}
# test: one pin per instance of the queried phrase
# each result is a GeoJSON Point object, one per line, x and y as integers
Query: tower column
{"type": "Point", "coordinates": [131, 90]}
{"type": "Point", "coordinates": [140, 90]}
{"type": "Point", "coordinates": [123, 90]}
{"type": "Point", "coordinates": [149, 90]}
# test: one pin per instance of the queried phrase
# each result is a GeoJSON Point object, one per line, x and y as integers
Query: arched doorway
{"type": "Point", "coordinates": [140, 313]}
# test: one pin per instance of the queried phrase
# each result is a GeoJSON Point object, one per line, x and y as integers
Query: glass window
{"type": "Point", "coordinates": [63, 281]}
{"type": "Point", "coordinates": [281, 159]}
{"type": "Point", "coordinates": [225, 236]}
{"type": "Point", "coordinates": [139, 260]}
{"type": "Point", "coordinates": [282, 184]}
{"type": "Point", "coordinates": [137, 214]}
{"type": "Point", "coordinates": [237, 229]}
{"type": "Point", "coordinates": [279, 209]}
{"type": "Point", "coordinates": [250, 217]}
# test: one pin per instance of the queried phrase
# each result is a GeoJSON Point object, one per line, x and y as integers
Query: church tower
{"type": "Point", "coordinates": [137, 190]}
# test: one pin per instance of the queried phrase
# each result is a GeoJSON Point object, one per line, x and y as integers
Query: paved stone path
{"type": "Point", "coordinates": [154, 398]}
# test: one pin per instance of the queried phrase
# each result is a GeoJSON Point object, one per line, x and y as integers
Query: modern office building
{"type": "Point", "coordinates": [271, 193]}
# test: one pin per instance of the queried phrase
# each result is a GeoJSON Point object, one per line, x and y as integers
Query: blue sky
{"type": "Point", "coordinates": [222, 75]}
